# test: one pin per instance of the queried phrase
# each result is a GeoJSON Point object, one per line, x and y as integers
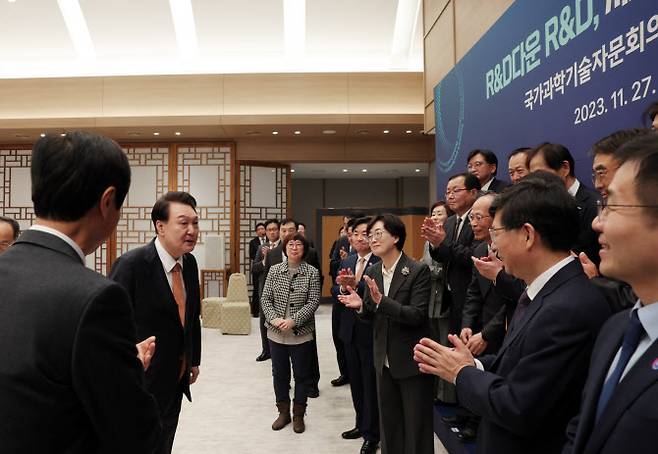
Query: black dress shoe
{"type": "Point", "coordinates": [340, 381]}
{"type": "Point", "coordinates": [313, 392]}
{"type": "Point", "coordinates": [467, 434]}
{"type": "Point", "coordinates": [352, 434]}
{"type": "Point", "coordinates": [369, 447]}
{"type": "Point", "coordinates": [264, 356]}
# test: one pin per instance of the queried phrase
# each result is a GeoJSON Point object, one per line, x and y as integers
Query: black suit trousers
{"type": "Point", "coordinates": [170, 423]}
{"type": "Point", "coordinates": [363, 386]}
{"type": "Point", "coordinates": [406, 413]}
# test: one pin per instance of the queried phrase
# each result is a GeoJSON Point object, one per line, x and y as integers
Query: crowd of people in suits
{"type": "Point", "coordinates": [533, 310]}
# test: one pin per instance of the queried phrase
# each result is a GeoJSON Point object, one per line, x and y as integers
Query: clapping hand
{"type": "Point", "coordinates": [343, 253]}
{"type": "Point", "coordinates": [351, 300]}
{"type": "Point", "coordinates": [476, 344]}
{"type": "Point", "coordinates": [488, 266]}
{"type": "Point", "coordinates": [433, 232]}
{"type": "Point", "coordinates": [346, 278]}
{"type": "Point", "coordinates": [434, 358]}
{"type": "Point", "coordinates": [145, 351]}
{"type": "Point", "coordinates": [588, 266]}
{"type": "Point", "coordinates": [375, 294]}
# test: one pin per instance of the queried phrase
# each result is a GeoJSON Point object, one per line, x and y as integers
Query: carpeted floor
{"type": "Point", "coordinates": [233, 405]}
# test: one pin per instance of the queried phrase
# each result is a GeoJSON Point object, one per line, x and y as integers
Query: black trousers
{"type": "Point", "coordinates": [254, 303]}
{"type": "Point", "coordinates": [264, 341]}
{"type": "Point", "coordinates": [363, 386]}
{"type": "Point", "coordinates": [406, 413]}
{"type": "Point", "coordinates": [170, 423]}
{"type": "Point", "coordinates": [301, 357]}
{"type": "Point", "coordinates": [336, 311]}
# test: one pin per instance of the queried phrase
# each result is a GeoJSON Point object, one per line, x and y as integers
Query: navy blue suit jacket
{"type": "Point", "coordinates": [631, 416]}
{"type": "Point", "coordinates": [531, 389]}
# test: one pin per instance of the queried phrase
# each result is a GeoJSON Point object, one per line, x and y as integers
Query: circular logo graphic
{"type": "Point", "coordinates": [449, 118]}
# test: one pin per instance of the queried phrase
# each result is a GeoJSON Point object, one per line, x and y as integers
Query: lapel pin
{"type": "Point", "coordinates": [654, 365]}
{"type": "Point", "coordinates": [405, 271]}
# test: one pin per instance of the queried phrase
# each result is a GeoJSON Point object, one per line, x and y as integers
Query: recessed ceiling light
{"type": "Point", "coordinates": [386, 131]}
{"type": "Point", "coordinates": [156, 133]}
{"type": "Point", "coordinates": [297, 133]}
{"type": "Point", "coordinates": [329, 131]}
{"type": "Point", "coordinates": [63, 134]}
{"type": "Point", "coordinates": [417, 170]}
{"type": "Point", "coordinates": [408, 131]}
{"type": "Point", "coordinates": [177, 133]}
{"type": "Point", "coordinates": [364, 170]}
{"type": "Point", "coordinates": [274, 133]}
{"type": "Point", "coordinates": [43, 134]}
{"type": "Point", "coordinates": [292, 170]}
{"type": "Point", "coordinates": [345, 170]}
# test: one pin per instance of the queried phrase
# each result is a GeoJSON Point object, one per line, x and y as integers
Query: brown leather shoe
{"type": "Point", "coordinates": [284, 415]}
{"type": "Point", "coordinates": [298, 411]}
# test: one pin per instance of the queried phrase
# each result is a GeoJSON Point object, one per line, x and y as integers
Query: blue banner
{"type": "Point", "coordinates": [563, 71]}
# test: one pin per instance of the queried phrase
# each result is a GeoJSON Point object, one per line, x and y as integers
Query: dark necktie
{"type": "Point", "coordinates": [632, 336]}
{"type": "Point", "coordinates": [521, 307]}
{"type": "Point", "coordinates": [455, 233]}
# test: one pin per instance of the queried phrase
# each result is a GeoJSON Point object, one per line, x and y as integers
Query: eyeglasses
{"type": "Point", "coordinates": [603, 207]}
{"type": "Point", "coordinates": [375, 235]}
{"type": "Point", "coordinates": [493, 234]}
{"type": "Point", "coordinates": [294, 245]}
{"type": "Point", "coordinates": [475, 165]}
{"type": "Point", "coordinates": [477, 217]}
{"type": "Point", "coordinates": [455, 191]}
{"type": "Point", "coordinates": [599, 174]}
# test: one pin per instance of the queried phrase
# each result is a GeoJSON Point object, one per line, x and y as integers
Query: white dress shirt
{"type": "Point", "coordinates": [485, 186]}
{"type": "Point", "coordinates": [573, 189]}
{"type": "Point", "coordinates": [648, 315]}
{"type": "Point", "coordinates": [168, 263]}
{"type": "Point", "coordinates": [61, 236]}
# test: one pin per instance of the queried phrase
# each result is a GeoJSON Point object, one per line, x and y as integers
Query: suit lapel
{"type": "Point", "coordinates": [637, 380]}
{"type": "Point", "coordinates": [398, 277]}
{"type": "Point", "coordinates": [162, 284]}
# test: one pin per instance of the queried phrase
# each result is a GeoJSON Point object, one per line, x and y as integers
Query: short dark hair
{"type": "Point", "coordinates": [289, 221]}
{"type": "Point", "coordinates": [272, 221]}
{"type": "Point", "coordinates": [554, 154]}
{"type": "Point", "coordinates": [488, 155]}
{"type": "Point", "coordinates": [393, 225]}
{"type": "Point", "coordinates": [541, 200]}
{"type": "Point", "coordinates": [643, 150]}
{"type": "Point", "coordinates": [259, 225]}
{"type": "Point", "coordinates": [470, 181]}
{"type": "Point", "coordinates": [362, 220]}
{"type": "Point", "coordinates": [441, 203]}
{"type": "Point", "coordinates": [160, 211]}
{"type": "Point", "coordinates": [301, 224]}
{"type": "Point", "coordinates": [297, 237]}
{"type": "Point", "coordinates": [14, 225]}
{"type": "Point", "coordinates": [519, 150]}
{"type": "Point", "coordinates": [71, 172]}
{"type": "Point", "coordinates": [611, 143]}
{"type": "Point", "coordinates": [650, 113]}
{"type": "Point", "coordinates": [350, 223]}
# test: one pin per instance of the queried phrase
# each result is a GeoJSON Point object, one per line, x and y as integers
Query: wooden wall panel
{"type": "Point", "coordinates": [439, 51]}
{"type": "Point", "coordinates": [431, 11]}
{"type": "Point", "coordinates": [398, 93]}
{"type": "Point", "coordinates": [473, 19]}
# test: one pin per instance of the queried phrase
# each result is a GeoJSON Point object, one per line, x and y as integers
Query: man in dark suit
{"type": "Point", "coordinates": [9, 231]}
{"type": "Point", "coordinates": [620, 399]}
{"type": "Point", "coordinates": [272, 232]}
{"type": "Point", "coordinates": [162, 280]}
{"type": "Point", "coordinates": [255, 244]}
{"type": "Point", "coordinates": [70, 377]}
{"type": "Point", "coordinates": [528, 391]}
{"type": "Point", "coordinates": [396, 300]}
{"type": "Point", "coordinates": [357, 335]}
{"type": "Point", "coordinates": [484, 165]}
{"type": "Point", "coordinates": [276, 255]}
{"type": "Point", "coordinates": [557, 159]}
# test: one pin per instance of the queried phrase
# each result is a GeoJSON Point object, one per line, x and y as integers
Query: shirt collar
{"type": "Point", "coordinates": [367, 257]}
{"type": "Point", "coordinates": [540, 281]}
{"type": "Point", "coordinates": [573, 189]}
{"type": "Point", "coordinates": [167, 260]}
{"type": "Point", "coordinates": [485, 186]}
{"type": "Point", "coordinates": [61, 236]}
{"type": "Point", "coordinates": [648, 315]}
{"type": "Point", "coordinates": [392, 270]}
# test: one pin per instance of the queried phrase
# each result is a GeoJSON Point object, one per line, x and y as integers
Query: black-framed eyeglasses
{"type": "Point", "coordinates": [493, 234]}
{"type": "Point", "coordinates": [455, 191]}
{"type": "Point", "coordinates": [603, 207]}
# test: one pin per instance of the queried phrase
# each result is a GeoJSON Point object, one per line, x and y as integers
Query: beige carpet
{"type": "Point", "coordinates": [233, 405]}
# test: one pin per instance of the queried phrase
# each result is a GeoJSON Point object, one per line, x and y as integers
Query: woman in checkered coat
{"type": "Point", "coordinates": [289, 300]}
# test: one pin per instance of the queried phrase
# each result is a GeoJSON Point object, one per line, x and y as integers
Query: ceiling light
{"type": "Point", "coordinates": [386, 131]}
{"type": "Point", "coordinates": [361, 131]}
{"type": "Point", "coordinates": [43, 134]}
{"type": "Point", "coordinates": [329, 131]}
{"type": "Point", "coordinates": [417, 170]}
{"type": "Point", "coordinates": [408, 131]}
{"type": "Point", "coordinates": [63, 134]}
{"type": "Point", "coordinates": [156, 133]}
{"type": "Point", "coordinates": [297, 133]}
{"type": "Point", "coordinates": [183, 17]}
{"type": "Point", "coordinates": [345, 170]}
{"type": "Point", "coordinates": [292, 170]}
{"type": "Point", "coordinates": [364, 170]}
{"type": "Point", "coordinates": [252, 133]}
{"type": "Point", "coordinates": [274, 133]}
{"type": "Point", "coordinates": [134, 134]}
{"type": "Point", "coordinates": [294, 27]}
{"type": "Point", "coordinates": [77, 27]}
{"type": "Point", "coordinates": [177, 133]}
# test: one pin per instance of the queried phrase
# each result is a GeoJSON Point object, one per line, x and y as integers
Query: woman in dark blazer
{"type": "Point", "coordinates": [290, 298]}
